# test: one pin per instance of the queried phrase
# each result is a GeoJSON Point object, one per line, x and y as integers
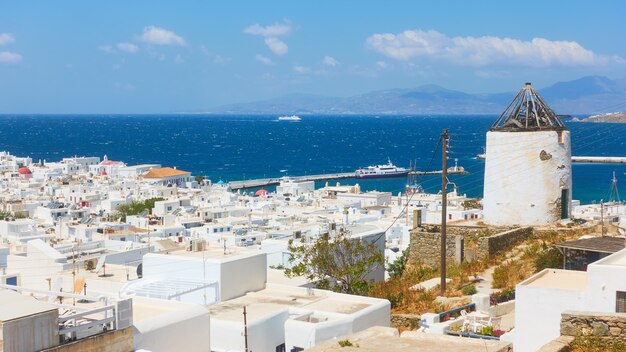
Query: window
{"type": "Point", "coordinates": [280, 348]}
{"type": "Point", "coordinates": [620, 302]}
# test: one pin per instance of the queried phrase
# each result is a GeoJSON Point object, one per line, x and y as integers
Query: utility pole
{"type": "Point", "coordinates": [245, 329]}
{"type": "Point", "coordinates": [444, 205]}
{"type": "Point", "coordinates": [602, 216]}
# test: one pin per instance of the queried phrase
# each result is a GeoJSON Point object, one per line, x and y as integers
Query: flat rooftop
{"type": "Point", "coordinates": [277, 298]}
{"type": "Point", "coordinates": [558, 279]}
{"type": "Point", "coordinates": [15, 306]}
{"type": "Point", "coordinates": [379, 338]}
{"type": "Point", "coordinates": [215, 253]}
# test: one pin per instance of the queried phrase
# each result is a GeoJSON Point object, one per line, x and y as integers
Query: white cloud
{"type": "Point", "coordinates": [6, 38]}
{"type": "Point", "coordinates": [220, 60]}
{"type": "Point", "coordinates": [270, 33]}
{"type": "Point", "coordinates": [161, 36]}
{"type": "Point", "coordinates": [484, 51]}
{"type": "Point", "coordinates": [276, 45]}
{"type": "Point", "coordinates": [107, 49]}
{"type": "Point", "coordinates": [9, 57]}
{"type": "Point", "coordinates": [274, 30]}
{"type": "Point", "coordinates": [301, 69]}
{"type": "Point", "coordinates": [330, 61]}
{"type": "Point", "coordinates": [127, 47]}
{"type": "Point", "coordinates": [264, 60]}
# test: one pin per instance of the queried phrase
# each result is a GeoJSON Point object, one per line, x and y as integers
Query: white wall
{"type": "Point", "coordinates": [602, 283]}
{"type": "Point", "coordinates": [182, 330]}
{"type": "Point", "coordinates": [520, 188]}
{"type": "Point", "coordinates": [538, 314]}
{"type": "Point", "coordinates": [242, 275]}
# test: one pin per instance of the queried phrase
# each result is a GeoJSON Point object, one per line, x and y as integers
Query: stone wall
{"type": "Point", "coordinates": [425, 242]}
{"type": "Point", "coordinates": [425, 247]}
{"type": "Point", "coordinates": [112, 341]}
{"type": "Point", "coordinates": [607, 325]}
{"type": "Point", "coordinates": [488, 246]}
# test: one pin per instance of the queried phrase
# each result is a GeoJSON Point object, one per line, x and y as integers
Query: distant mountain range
{"type": "Point", "coordinates": [587, 95]}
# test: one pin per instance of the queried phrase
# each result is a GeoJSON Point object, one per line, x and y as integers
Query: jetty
{"type": "Point", "coordinates": [599, 159]}
{"type": "Point", "coordinates": [272, 181]}
{"type": "Point", "coordinates": [587, 159]}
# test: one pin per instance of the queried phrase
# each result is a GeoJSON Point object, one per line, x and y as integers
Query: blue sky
{"type": "Point", "coordinates": [156, 56]}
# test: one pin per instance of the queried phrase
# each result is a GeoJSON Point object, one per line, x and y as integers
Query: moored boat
{"type": "Point", "coordinates": [380, 171]}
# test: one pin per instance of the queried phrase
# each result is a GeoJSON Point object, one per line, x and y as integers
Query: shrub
{"type": "Point", "coordinates": [469, 290]}
{"type": "Point", "coordinates": [396, 269]}
{"type": "Point", "coordinates": [345, 343]}
{"type": "Point", "coordinates": [548, 258]}
{"type": "Point", "coordinates": [486, 330]}
{"type": "Point", "coordinates": [589, 343]}
{"type": "Point", "coordinates": [498, 332]}
{"type": "Point", "coordinates": [502, 296]}
{"type": "Point", "coordinates": [510, 273]}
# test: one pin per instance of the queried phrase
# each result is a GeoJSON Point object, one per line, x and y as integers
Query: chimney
{"type": "Point", "coordinates": [417, 218]}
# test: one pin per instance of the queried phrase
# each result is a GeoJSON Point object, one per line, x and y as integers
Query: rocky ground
{"type": "Point", "coordinates": [618, 117]}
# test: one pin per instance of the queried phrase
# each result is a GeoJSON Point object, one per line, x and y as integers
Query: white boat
{"type": "Point", "coordinates": [289, 118]}
{"type": "Point", "coordinates": [379, 171]}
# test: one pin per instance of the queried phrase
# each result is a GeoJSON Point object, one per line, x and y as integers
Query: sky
{"type": "Point", "coordinates": [191, 56]}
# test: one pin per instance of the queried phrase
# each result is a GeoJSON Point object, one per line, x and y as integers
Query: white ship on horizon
{"type": "Point", "coordinates": [289, 118]}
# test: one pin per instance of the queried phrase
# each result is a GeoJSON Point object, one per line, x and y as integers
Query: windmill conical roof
{"type": "Point", "coordinates": [528, 112]}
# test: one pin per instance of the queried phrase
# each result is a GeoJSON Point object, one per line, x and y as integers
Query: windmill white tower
{"type": "Point", "coordinates": [528, 165]}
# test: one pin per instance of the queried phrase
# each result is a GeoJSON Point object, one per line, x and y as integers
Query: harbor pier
{"type": "Point", "coordinates": [262, 182]}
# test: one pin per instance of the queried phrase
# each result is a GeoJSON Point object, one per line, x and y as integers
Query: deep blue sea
{"type": "Point", "coordinates": [248, 147]}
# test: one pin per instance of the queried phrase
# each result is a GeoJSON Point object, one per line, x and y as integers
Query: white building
{"type": "Point", "coordinates": [528, 165]}
{"type": "Point", "coordinates": [20, 230]}
{"type": "Point", "coordinates": [168, 176]}
{"type": "Point", "coordinates": [542, 298]}
{"type": "Point", "coordinates": [294, 188]}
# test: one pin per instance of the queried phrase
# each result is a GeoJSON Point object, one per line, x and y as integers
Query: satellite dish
{"type": "Point", "coordinates": [140, 270]}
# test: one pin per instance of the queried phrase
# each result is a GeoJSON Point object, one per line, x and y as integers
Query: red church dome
{"type": "Point", "coordinates": [260, 192]}
{"type": "Point", "coordinates": [24, 171]}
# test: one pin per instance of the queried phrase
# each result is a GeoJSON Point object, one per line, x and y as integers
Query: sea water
{"type": "Point", "coordinates": [249, 147]}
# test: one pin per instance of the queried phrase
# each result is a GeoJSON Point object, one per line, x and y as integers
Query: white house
{"type": "Point", "coordinates": [542, 298]}
{"type": "Point", "coordinates": [168, 176]}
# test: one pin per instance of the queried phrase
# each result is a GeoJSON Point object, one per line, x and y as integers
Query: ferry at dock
{"type": "Point", "coordinates": [380, 171]}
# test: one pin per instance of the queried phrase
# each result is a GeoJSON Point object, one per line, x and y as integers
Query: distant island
{"type": "Point", "coordinates": [586, 95]}
{"type": "Point", "coordinates": [616, 117]}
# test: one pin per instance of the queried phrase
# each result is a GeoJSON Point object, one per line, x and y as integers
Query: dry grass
{"type": "Point", "coordinates": [518, 265]}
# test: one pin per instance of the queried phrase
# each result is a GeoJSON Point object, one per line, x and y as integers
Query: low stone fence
{"type": "Point", "coordinates": [425, 244]}
{"type": "Point", "coordinates": [574, 324]}
{"type": "Point", "coordinates": [609, 325]}
{"type": "Point", "coordinates": [488, 246]}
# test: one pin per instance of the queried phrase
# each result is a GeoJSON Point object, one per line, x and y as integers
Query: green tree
{"type": "Point", "coordinates": [396, 268]}
{"type": "Point", "coordinates": [134, 208]}
{"type": "Point", "coordinates": [341, 263]}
